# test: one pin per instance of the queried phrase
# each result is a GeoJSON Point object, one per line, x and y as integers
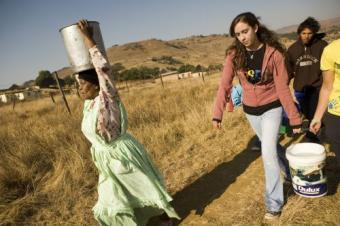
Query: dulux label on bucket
{"type": "Point", "coordinates": [309, 181]}
{"type": "Point", "coordinates": [306, 162]}
{"type": "Point", "coordinates": [311, 190]}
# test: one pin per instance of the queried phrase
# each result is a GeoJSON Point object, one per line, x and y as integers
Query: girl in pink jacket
{"type": "Point", "coordinates": [256, 58]}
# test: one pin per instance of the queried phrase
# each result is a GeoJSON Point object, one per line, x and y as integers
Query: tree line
{"type": "Point", "coordinates": [46, 79]}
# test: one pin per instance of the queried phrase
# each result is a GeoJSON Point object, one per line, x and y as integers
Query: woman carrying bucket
{"type": "Point", "coordinates": [329, 98]}
{"type": "Point", "coordinates": [130, 188]}
{"type": "Point", "coordinates": [256, 57]}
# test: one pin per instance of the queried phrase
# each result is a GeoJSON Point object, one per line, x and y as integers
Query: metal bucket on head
{"type": "Point", "coordinates": [77, 52]}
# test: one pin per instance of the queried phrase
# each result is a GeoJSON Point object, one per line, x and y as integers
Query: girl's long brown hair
{"type": "Point", "coordinates": [264, 35]}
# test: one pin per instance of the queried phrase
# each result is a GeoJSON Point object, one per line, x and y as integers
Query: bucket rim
{"type": "Point", "coordinates": [303, 159]}
{"type": "Point", "coordinates": [83, 68]}
{"type": "Point", "coordinates": [89, 21]}
{"type": "Point", "coordinates": [304, 144]}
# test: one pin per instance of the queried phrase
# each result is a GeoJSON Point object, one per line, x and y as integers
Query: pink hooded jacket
{"type": "Point", "coordinates": [274, 86]}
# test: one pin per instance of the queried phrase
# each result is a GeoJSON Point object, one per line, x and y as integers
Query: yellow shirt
{"type": "Point", "coordinates": [330, 60]}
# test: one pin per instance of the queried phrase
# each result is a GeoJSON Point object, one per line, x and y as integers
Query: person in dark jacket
{"type": "Point", "coordinates": [303, 62]}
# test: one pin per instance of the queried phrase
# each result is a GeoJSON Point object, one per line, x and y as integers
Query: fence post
{"type": "Point", "coordinates": [51, 95]}
{"type": "Point", "coordinates": [126, 84]}
{"type": "Point", "coordinates": [14, 100]}
{"type": "Point", "coordinates": [62, 92]}
{"type": "Point", "coordinates": [161, 76]}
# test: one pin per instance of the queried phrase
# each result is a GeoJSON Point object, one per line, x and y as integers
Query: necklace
{"type": "Point", "coordinates": [251, 54]}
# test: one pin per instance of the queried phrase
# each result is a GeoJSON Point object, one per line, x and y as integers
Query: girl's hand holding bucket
{"type": "Point", "coordinates": [315, 125]}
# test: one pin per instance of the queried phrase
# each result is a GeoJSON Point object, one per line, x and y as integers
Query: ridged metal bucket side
{"type": "Point", "coordinates": [77, 52]}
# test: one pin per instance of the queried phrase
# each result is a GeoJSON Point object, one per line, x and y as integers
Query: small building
{"type": "Point", "coordinates": [169, 76]}
{"type": "Point", "coordinates": [21, 95]}
{"type": "Point", "coordinates": [198, 74]}
{"type": "Point", "coordinates": [185, 75]}
{"type": "Point", "coordinates": [27, 95]}
{"type": "Point", "coordinates": [7, 98]}
{"type": "Point", "coordinates": [3, 98]}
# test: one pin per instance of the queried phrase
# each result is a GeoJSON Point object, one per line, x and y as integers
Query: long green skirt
{"type": "Point", "coordinates": [130, 189]}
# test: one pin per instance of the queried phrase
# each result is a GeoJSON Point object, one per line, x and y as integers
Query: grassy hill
{"type": "Point", "coordinates": [204, 50]}
{"type": "Point", "coordinates": [195, 50]}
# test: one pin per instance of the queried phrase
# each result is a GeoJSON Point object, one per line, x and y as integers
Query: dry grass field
{"type": "Point", "coordinates": [47, 176]}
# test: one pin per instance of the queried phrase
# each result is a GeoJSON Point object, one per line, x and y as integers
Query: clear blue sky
{"type": "Point", "coordinates": [30, 39]}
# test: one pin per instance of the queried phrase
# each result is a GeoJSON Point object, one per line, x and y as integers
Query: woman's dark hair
{"type": "Point", "coordinates": [310, 23]}
{"type": "Point", "coordinates": [90, 76]}
{"type": "Point", "coordinates": [264, 35]}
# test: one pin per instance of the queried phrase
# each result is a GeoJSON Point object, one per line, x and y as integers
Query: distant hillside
{"type": "Point", "coordinates": [194, 50]}
{"type": "Point", "coordinates": [64, 72]}
{"type": "Point", "coordinates": [326, 25]}
{"type": "Point", "coordinates": [204, 50]}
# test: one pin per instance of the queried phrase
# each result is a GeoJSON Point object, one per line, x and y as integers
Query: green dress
{"type": "Point", "coordinates": [130, 188]}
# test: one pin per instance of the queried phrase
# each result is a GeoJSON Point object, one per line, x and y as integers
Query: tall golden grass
{"type": "Point", "coordinates": [47, 176]}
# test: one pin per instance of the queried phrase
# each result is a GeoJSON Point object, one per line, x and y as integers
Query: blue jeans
{"type": "Point", "coordinates": [266, 127]}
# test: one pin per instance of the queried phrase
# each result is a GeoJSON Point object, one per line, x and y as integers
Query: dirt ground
{"type": "Point", "coordinates": [233, 194]}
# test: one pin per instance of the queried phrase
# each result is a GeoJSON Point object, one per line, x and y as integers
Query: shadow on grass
{"type": "Point", "coordinates": [199, 194]}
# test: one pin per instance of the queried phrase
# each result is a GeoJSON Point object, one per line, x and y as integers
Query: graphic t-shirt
{"type": "Point", "coordinates": [254, 65]}
{"type": "Point", "coordinates": [253, 74]}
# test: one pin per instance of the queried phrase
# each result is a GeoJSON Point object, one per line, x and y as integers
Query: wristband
{"type": "Point", "coordinates": [217, 120]}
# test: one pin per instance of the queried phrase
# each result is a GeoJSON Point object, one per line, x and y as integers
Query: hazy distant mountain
{"type": "Point", "coordinates": [204, 50]}
{"type": "Point", "coordinates": [325, 26]}
{"type": "Point", "coordinates": [28, 83]}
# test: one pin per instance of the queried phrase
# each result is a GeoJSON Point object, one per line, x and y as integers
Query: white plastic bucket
{"type": "Point", "coordinates": [306, 163]}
